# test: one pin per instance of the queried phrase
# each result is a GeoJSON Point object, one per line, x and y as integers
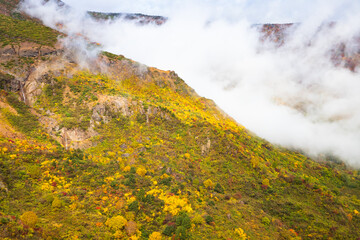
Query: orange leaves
{"type": "Point", "coordinates": [292, 231]}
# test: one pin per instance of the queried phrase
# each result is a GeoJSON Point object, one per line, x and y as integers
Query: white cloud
{"type": "Point", "coordinates": [292, 96]}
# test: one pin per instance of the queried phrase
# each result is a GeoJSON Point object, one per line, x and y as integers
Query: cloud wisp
{"type": "Point", "coordinates": [293, 95]}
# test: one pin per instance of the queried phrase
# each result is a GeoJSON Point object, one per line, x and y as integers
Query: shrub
{"type": "Point", "coordinates": [183, 220]}
{"type": "Point", "coordinates": [265, 220]}
{"type": "Point", "coordinates": [4, 220]}
{"type": "Point", "coordinates": [131, 228]}
{"type": "Point", "coordinates": [141, 171]}
{"type": "Point", "coordinates": [240, 232]}
{"type": "Point", "coordinates": [166, 181]}
{"type": "Point", "coordinates": [218, 188]}
{"type": "Point", "coordinates": [209, 219]}
{"type": "Point", "coordinates": [120, 235]}
{"type": "Point", "coordinates": [134, 206]}
{"type": "Point", "coordinates": [209, 184]}
{"type": "Point", "coordinates": [57, 203]}
{"type": "Point", "coordinates": [34, 171]}
{"type": "Point", "coordinates": [132, 170]}
{"type": "Point", "coordinates": [116, 223]}
{"type": "Point", "coordinates": [130, 216]}
{"type": "Point", "coordinates": [181, 233]}
{"type": "Point", "coordinates": [119, 205]}
{"type": "Point", "coordinates": [198, 219]}
{"type": "Point", "coordinates": [169, 230]}
{"type": "Point", "coordinates": [29, 219]}
{"type": "Point", "coordinates": [266, 182]}
{"type": "Point", "coordinates": [155, 236]}
{"type": "Point", "coordinates": [130, 181]}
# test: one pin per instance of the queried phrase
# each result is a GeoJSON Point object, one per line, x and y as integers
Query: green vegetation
{"type": "Point", "coordinates": [14, 31]}
{"type": "Point", "coordinates": [113, 56]}
{"type": "Point", "coordinates": [5, 80]}
{"type": "Point", "coordinates": [24, 121]}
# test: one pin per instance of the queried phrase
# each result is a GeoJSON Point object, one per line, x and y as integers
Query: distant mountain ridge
{"type": "Point", "coordinates": [138, 17]}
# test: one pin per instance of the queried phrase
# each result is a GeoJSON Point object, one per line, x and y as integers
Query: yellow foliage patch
{"type": "Point", "coordinates": [266, 182]}
{"type": "Point", "coordinates": [127, 169]}
{"type": "Point", "coordinates": [29, 218]}
{"type": "Point", "coordinates": [141, 171]}
{"type": "Point", "coordinates": [116, 223]}
{"type": "Point", "coordinates": [173, 204]}
{"type": "Point", "coordinates": [240, 232]}
{"type": "Point", "coordinates": [155, 236]}
{"type": "Point", "coordinates": [209, 184]}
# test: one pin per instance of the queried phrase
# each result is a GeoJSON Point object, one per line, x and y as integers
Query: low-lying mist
{"type": "Point", "coordinates": [293, 95]}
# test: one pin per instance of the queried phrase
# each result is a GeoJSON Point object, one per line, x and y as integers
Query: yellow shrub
{"type": "Point", "coordinates": [198, 219]}
{"type": "Point", "coordinates": [130, 216]}
{"type": "Point", "coordinates": [119, 235]}
{"type": "Point", "coordinates": [141, 171]}
{"type": "Point", "coordinates": [29, 218]}
{"type": "Point", "coordinates": [266, 182]}
{"type": "Point", "coordinates": [240, 232]}
{"type": "Point", "coordinates": [254, 162]}
{"type": "Point", "coordinates": [209, 184]}
{"type": "Point", "coordinates": [173, 204]}
{"type": "Point", "coordinates": [116, 223]}
{"type": "Point", "coordinates": [155, 236]}
{"type": "Point", "coordinates": [57, 203]}
{"type": "Point", "coordinates": [127, 169]}
{"type": "Point", "coordinates": [164, 176]}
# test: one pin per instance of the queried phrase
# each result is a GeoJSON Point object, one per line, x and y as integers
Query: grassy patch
{"type": "Point", "coordinates": [14, 31]}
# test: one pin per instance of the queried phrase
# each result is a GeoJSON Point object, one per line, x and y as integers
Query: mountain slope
{"type": "Point", "coordinates": [121, 150]}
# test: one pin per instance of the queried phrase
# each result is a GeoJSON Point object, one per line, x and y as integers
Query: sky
{"type": "Point", "coordinates": [292, 96]}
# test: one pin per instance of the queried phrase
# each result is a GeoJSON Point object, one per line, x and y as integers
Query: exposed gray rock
{"type": "Point", "coordinates": [123, 146]}
{"type": "Point", "coordinates": [140, 150]}
{"type": "Point", "coordinates": [32, 90]}
{"type": "Point", "coordinates": [77, 138]}
{"type": "Point", "coordinates": [7, 50]}
{"type": "Point", "coordinates": [48, 112]}
{"type": "Point", "coordinates": [206, 147]}
{"type": "Point", "coordinates": [111, 108]}
{"type": "Point", "coordinates": [119, 104]}
{"type": "Point", "coordinates": [70, 138]}
{"type": "Point", "coordinates": [98, 111]}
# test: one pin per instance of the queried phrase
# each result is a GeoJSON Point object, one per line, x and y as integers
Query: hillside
{"type": "Point", "coordinates": [125, 151]}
